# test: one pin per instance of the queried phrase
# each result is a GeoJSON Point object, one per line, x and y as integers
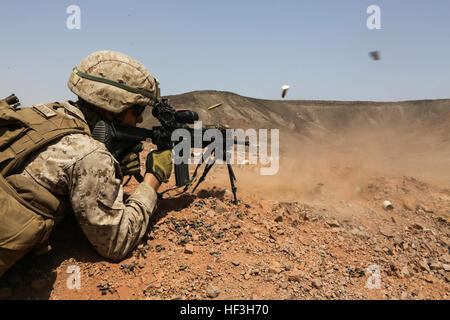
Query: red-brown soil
{"type": "Point", "coordinates": [309, 232]}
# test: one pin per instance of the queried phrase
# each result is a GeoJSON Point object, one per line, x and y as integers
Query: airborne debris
{"type": "Point", "coordinates": [214, 106]}
{"type": "Point", "coordinates": [375, 55]}
{"type": "Point", "coordinates": [284, 90]}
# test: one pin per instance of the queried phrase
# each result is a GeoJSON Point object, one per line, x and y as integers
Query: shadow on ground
{"type": "Point", "coordinates": [32, 278]}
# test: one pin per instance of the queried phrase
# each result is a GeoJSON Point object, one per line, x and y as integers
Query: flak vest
{"type": "Point", "coordinates": [28, 211]}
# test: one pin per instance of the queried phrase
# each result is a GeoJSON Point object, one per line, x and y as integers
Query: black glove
{"type": "Point", "coordinates": [159, 163]}
{"type": "Point", "coordinates": [130, 162]}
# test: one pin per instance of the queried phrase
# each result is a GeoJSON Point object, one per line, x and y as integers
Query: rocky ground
{"type": "Point", "coordinates": [315, 230]}
{"type": "Point", "coordinates": [319, 246]}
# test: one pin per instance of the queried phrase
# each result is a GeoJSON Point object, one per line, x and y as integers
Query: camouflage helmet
{"type": "Point", "coordinates": [113, 81]}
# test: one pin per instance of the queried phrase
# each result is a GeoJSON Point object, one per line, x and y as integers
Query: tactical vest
{"type": "Point", "coordinates": [28, 211]}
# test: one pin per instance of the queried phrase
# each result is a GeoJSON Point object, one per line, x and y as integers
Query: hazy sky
{"type": "Point", "coordinates": [250, 47]}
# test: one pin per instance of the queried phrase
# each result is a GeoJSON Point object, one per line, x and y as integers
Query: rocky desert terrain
{"type": "Point", "coordinates": [318, 229]}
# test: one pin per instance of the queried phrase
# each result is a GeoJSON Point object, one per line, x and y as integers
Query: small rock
{"type": "Point", "coordinates": [5, 293]}
{"type": "Point", "coordinates": [279, 218]}
{"type": "Point", "coordinates": [382, 260]}
{"type": "Point", "coordinates": [235, 263]}
{"type": "Point", "coordinates": [388, 251]}
{"type": "Point", "coordinates": [427, 209]}
{"type": "Point", "coordinates": [284, 285]}
{"type": "Point", "coordinates": [275, 267]}
{"type": "Point", "coordinates": [424, 265]}
{"type": "Point", "coordinates": [435, 266]}
{"type": "Point", "coordinates": [359, 233]}
{"type": "Point", "coordinates": [141, 264]}
{"type": "Point", "coordinates": [316, 283]}
{"type": "Point", "coordinates": [429, 278]}
{"type": "Point", "coordinates": [189, 249]}
{"type": "Point", "coordinates": [446, 258]}
{"type": "Point", "coordinates": [333, 223]}
{"type": "Point", "coordinates": [228, 193]}
{"type": "Point", "coordinates": [212, 291]}
{"type": "Point", "coordinates": [417, 226]}
{"type": "Point", "coordinates": [389, 233]}
{"type": "Point", "coordinates": [408, 204]}
{"type": "Point", "coordinates": [446, 267]}
{"type": "Point", "coordinates": [405, 272]}
{"type": "Point", "coordinates": [295, 275]}
{"type": "Point", "coordinates": [378, 248]}
{"type": "Point", "coordinates": [221, 209]}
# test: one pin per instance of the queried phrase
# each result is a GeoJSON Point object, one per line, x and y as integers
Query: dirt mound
{"type": "Point", "coordinates": [315, 120]}
{"type": "Point", "coordinates": [315, 230]}
{"type": "Point", "coordinates": [205, 247]}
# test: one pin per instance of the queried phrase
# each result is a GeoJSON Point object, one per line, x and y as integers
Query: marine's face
{"type": "Point", "coordinates": [132, 117]}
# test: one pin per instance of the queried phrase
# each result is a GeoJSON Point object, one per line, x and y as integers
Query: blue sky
{"type": "Point", "coordinates": [250, 47]}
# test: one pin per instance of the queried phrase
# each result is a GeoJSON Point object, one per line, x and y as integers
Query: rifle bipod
{"type": "Point", "coordinates": [209, 163]}
{"type": "Point", "coordinates": [230, 174]}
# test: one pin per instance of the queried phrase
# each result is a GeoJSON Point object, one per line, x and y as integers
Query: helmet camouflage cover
{"type": "Point", "coordinates": [113, 81]}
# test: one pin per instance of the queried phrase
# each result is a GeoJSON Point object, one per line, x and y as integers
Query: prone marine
{"type": "Point", "coordinates": [50, 162]}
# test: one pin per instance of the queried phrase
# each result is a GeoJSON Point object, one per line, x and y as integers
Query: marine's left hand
{"type": "Point", "coordinates": [130, 163]}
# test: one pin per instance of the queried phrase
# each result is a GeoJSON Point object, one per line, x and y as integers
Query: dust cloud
{"type": "Point", "coordinates": [340, 164]}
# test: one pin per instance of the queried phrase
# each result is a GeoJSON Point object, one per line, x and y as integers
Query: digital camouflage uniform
{"type": "Point", "coordinates": [83, 169]}
{"type": "Point", "coordinates": [65, 165]}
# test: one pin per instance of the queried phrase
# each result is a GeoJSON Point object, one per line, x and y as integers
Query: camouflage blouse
{"type": "Point", "coordinates": [81, 169]}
